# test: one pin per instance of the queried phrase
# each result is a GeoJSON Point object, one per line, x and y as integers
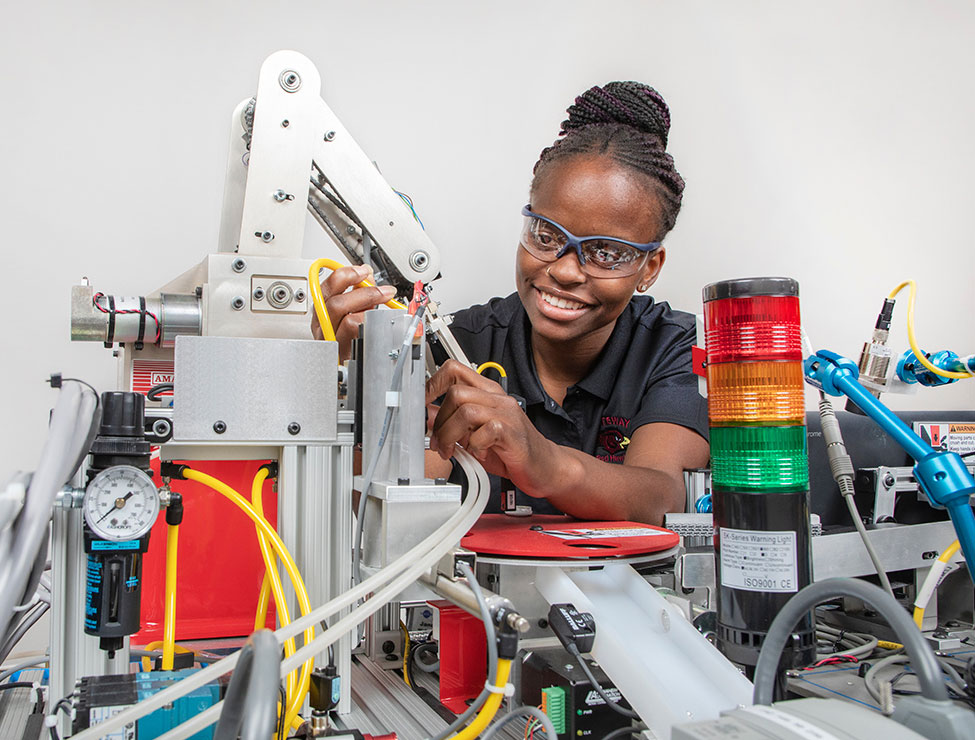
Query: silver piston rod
{"type": "Point", "coordinates": [97, 317]}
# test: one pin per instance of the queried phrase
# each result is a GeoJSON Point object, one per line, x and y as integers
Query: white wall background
{"type": "Point", "coordinates": [828, 141]}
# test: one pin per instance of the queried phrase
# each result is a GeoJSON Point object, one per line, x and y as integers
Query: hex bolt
{"type": "Point", "coordinates": [300, 294]}
{"type": "Point", "coordinates": [219, 427]}
{"type": "Point", "coordinates": [293, 428]}
{"type": "Point", "coordinates": [329, 135]}
{"type": "Point", "coordinates": [419, 260]}
{"type": "Point", "coordinates": [258, 293]}
{"type": "Point", "coordinates": [238, 265]}
{"type": "Point", "coordinates": [237, 303]}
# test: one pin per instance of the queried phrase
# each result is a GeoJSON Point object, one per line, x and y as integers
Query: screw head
{"type": "Point", "coordinates": [888, 481]}
{"type": "Point", "coordinates": [388, 646]}
{"type": "Point", "coordinates": [329, 135]}
{"type": "Point", "coordinates": [350, 229]}
{"type": "Point", "coordinates": [266, 236]}
{"type": "Point", "coordinates": [285, 123]}
{"type": "Point", "coordinates": [293, 428]}
{"type": "Point", "coordinates": [299, 295]}
{"type": "Point", "coordinates": [161, 427]}
{"type": "Point", "coordinates": [219, 427]}
{"type": "Point", "coordinates": [258, 293]}
{"type": "Point", "coordinates": [238, 265]}
{"type": "Point", "coordinates": [237, 303]}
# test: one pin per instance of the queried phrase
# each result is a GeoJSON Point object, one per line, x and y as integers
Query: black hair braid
{"type": "Point", "coordinates": [628, 121]}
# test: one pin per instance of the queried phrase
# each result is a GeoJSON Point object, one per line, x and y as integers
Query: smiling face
{"type": "Point", "coordinates": [587, 195]}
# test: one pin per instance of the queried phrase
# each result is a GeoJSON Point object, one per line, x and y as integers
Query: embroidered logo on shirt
{"type": "Point", "coordinates": [612, 440]}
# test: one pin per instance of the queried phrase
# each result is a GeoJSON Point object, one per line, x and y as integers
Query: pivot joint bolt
{"type": "Point", "coordinates": [419, 260]}
{"type": "Point", "coordinates": [289, 80]}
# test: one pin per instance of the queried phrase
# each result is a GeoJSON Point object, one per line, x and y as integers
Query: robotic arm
{"type": "Point", "coordinates": [942, 475]}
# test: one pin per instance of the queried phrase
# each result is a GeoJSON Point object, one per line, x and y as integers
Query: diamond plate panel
{"type": "Point", "coordinates": [281, 391]}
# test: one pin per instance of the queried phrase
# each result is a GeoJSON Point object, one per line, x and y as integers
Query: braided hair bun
{"type": "Point", "coordinates": [627, 103]}
{"type": "Point", "coordinates": [629, 122]}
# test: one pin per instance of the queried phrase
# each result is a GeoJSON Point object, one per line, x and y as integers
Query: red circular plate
{"type": "Point", "coordinates": [555, 536]}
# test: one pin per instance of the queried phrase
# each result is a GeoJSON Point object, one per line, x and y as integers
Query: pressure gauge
{"type": "Point", "coordinates": [121, 503]}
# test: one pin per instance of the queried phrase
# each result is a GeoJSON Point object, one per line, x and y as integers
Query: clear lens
{"type": "Point", "coordinates": [600, 257]}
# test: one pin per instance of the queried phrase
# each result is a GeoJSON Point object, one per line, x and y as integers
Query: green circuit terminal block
{"type": "Point", "coordinates": [553, 704]}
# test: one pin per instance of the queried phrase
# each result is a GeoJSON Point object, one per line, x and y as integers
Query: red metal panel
{"type": "Point", "coordinates": [463, 656]}
{"type": "Point", "coordinates": [219, 567]}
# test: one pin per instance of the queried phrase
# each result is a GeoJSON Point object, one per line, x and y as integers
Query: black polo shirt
{"type": "Point", "coordinates": [642, 376]}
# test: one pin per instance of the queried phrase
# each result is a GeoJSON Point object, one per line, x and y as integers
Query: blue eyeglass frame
{"type": "Point", "coordinates": [575, 242]}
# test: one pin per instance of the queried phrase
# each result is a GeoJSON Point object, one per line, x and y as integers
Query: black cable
{"type": "Point", "coordinates": [335, 199]}
{"type": "Point", "coordinates": [283, 699]}
{"type": "Point", "coordinates": [153, 393]}
{"type": "Point", "coordinates": [16, 685]}
{"type": "Point", "coordinates": [599, 689]}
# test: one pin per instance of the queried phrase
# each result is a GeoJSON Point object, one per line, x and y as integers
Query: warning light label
{"type": "Point", "coordinates": [959, 438]}
{"type": "Point", "coordinates": [758, 561]}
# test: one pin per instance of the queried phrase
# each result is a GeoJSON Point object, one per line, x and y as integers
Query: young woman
{"type": "Point", "coordinates": [609, 413]}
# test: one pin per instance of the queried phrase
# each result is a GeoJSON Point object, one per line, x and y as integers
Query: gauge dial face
{"type": "Point", "coordinates": [121, 503]}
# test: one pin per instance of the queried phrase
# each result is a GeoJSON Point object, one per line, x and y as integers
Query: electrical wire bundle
{"type": "Point", "coordinates": [24, 597]}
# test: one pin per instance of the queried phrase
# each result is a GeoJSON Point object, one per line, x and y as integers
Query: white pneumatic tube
{"type": "Point", "coordinates": [384, 586]}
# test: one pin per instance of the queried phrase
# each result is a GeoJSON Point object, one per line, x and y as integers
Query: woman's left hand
{"type": "Point", "coordinates": [479, 416]}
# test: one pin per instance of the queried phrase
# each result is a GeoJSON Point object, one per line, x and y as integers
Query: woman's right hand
{"type": "Point", "coordinates": [346, 307]}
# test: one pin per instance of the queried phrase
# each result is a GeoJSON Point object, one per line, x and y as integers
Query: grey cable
{"type": "Point", "coordinates": [7, 673]}
{"type": "Point", "coordinates": [926, 664]}
{"type": "Point", "coordinates": [492, 645]}
{"type": "Point", "coordinates": [424, 647]}
{"type": "Point", "coordinates": [250, 705]}
{"type": "Point", "coordinates": [17, 634]}
{"type": "Point", "coordinates": [395, 385]}
{"type": "Point", "coordinates": [531, 711]}
{"type": "Point", "coordinates": [620, 731]}
{"type": "Point", "coordinates": [599, 689]}
{"type": "Point", "coordinates": [71, 422]}
{"type": "Point", "coordinates": [870, 679]}
{"type": "Point", "coordinates": [842, 468]}
{"type": "Point", "coordinates": [857, 644]}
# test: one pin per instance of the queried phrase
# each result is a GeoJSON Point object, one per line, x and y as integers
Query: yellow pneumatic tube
{"type": "Point", "coordinates": [272, 578]}
{"type": "Point", "coordinates": [490, 707]}
{"type": "Point", "coordinates": [169, 620]}
{"type": "Point", "coordinates": [295, 702]}
{"type": "Point", "coordinates": [912, 340]}
{"type": "Point", "coordinates": [328, 331]}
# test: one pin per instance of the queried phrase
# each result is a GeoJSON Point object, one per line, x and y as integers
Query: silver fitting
{"type": "Point", "coordinates": [280, 196]}
{"type": "Point", "coordinates": [70, 497]}
{"type": "Point", "coordinates": [419, 260]}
